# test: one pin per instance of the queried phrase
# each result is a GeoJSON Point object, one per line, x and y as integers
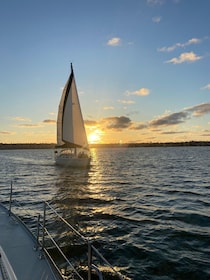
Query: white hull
{"type": "Point", "coordinates": [65, 158]}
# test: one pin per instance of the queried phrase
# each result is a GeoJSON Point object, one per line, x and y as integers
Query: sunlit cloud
{"type": "Point", "coordinates": [108, 108]}
{"type": "Point", "coordinates": [180, 45]}
{"type": "Point", "coordinates": [206, 132]}
{"type": "Point", "coordinates": [206, 87]}
{"type": "Point", "coordinates": [30, 125]}
{"type": "Point", "coordinates": [4, 132]}
{"type": "Point", "coordinates": [182, 116]}
{"type": "Point", "coordinates": [170, 119]}
{"type": "Point", "coordinates": [90, 123]}
{"type": "Point", "coordinates": [185, 57]}
{"type": "Point", "coordinates": [156, 19]}
{"type": "Point", "coordinates": [140, 92]}
{"type": "Point", "coordinates": [126, 101]}
{"type": "Point", "coordinates": [116, 123]}
{"type": "Point", "coordinates": [200, 110]}
{"type": "Point", "coordinates": [115, 41]}
{"type": "Point", "coordinates": [173, 132]}
{"type": "Point", "coordinates": [49, 121]}
{"type": "Point", "coordinates": [139, 126]}
{"type": "Point", "coordinates": [165, 124]}
{"type": "Point", "coordinates": [21, 119]}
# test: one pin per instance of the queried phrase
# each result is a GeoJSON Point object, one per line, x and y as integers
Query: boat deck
{"type": "Point", "coordinates": [18, 245]}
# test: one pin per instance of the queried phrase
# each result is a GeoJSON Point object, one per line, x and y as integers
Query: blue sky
{"type": "Point", "coordinates": [142, 68]}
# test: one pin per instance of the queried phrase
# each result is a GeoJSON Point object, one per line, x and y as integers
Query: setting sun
{"type": "Point", "coordinates": [95, 136]}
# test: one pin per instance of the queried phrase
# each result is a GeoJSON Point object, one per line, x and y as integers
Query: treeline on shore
{"type": "Point", "coordinates": [52, 146]}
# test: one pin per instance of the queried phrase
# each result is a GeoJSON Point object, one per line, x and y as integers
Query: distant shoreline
{"type": "Point", "coordinates": [128, 145]}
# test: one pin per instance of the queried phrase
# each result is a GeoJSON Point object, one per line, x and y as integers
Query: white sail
{"type": "Point", "coordinates": [70, 125]}
{"type": "Point", "coordinates": [71, 134]}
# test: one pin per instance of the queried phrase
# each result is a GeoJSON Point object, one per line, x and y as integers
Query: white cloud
{"type": "Point", "coordinates": [180, 45]}
{"type": "Point", "coordinates": [115, 41]}
{"type": "Point", "coordinates": [140, 92]}
{"type": "Point", "coordinates": [155, 2]}
{"type": "Point", "coordinates": [156, 19]}
{"type": "Point", "coordinates": [185, 57]}
{"type": "Point", "coordinates": [126, 101]}
{"type": "Point", "coordinates": [130, 43]}
{"type": "Point", "coordinates": [206, 87]}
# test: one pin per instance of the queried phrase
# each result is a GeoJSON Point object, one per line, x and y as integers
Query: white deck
{"type": "Point", "coordinates": [18, 246]}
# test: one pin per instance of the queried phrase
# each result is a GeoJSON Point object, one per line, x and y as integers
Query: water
{"type": "Point", "coordinates": [147, 208]}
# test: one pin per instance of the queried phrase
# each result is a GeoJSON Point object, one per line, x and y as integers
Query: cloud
{"type": "Point", "coordinates": [156, 19]}
{"type": "Point", "coordinates": [21, 119]}
{"type": "Point", "coordinates": [4, 132]}
{"type": "Point", "coordinates": [116, 123]}
{"type": "Point", "coordinates": [135, 112]}
{"type": "Point", "coordinates": [139, 126]}
{"type": "Point", "coordinates": [155, 2]}
{"type": "Point", "coordinates": [29, 125]}
{"type": "Point", "coordinates": [156, 125]}
{"type": "Point", "coordinates": [126, 101]}
{"type": "Point", "coordinates": [206, 134]}
{"type": "Point", "coordinates": [200, 110]}
{"type": "Point", "coordinates": [130, 43]}
{"type": "Point", "coordinates": [206, 87]}
{"type": "Point", "coordinates": [185, 57]}
{"type": "Point", "coordinates": [48, 121]}
{"type": "Point", "coordinates": [160, 2]}
{"type": "Point", "coordinates": [180, 117]}
{"type": "Point", "coordinates": [115, 41]}
{"type": "Point", "coordinates": [170, 119]}
{"type": "Point", "coordinates": [108, 108]}
{"type": "Point", "coordinates": [180, 45]}
{"type": "Point", "coordinates": [140, 92]}
{"type": "Point", "coordinates": [91, 123]}
{"type": "Point", "coordinates": [172, 132]}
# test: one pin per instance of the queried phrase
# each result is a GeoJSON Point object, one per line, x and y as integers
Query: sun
{"type": "Point", "coordinates": [95, 136]}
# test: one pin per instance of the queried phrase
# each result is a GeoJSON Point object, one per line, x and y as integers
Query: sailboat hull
{"type": "Point", "coordinates": [65, 158]}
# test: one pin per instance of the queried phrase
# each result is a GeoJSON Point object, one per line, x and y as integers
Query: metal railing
{"type": "Point", "coordinates": [45, 242]}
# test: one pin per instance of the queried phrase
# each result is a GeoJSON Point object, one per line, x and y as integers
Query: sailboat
{"type": "Point", "coordinates": [72, 146]}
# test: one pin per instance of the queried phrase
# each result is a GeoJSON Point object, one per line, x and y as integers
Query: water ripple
{"type": "Point", "coordinates": [146, 209]}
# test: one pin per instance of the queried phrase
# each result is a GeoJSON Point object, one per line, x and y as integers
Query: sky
{"type": "Point", "coordinates": [142, 68]}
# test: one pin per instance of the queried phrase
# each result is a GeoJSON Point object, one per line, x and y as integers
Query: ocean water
{"type": "Point", "coordinates": [148, 209]}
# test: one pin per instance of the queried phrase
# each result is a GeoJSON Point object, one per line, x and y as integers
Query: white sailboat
{"type": "Point", "coordinates": [72, 141]}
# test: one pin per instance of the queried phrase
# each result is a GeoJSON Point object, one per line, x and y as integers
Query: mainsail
{"type": "Point", "coordinates": [70, 125]}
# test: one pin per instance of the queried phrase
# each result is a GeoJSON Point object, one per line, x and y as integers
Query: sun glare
{"type": "Point", "coordinates": [95, 136]}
